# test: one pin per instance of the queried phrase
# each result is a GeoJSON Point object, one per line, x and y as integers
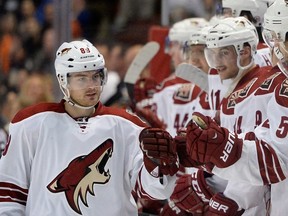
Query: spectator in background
{"type": "Point", "coordinates": [7, 37]}
{"type": "Point", "coordinates": [120, 97]}
{"type": "Point", "coordinates": [114, 55]}
{"type": "Point", "coordinates": [37, 88]}
{"type": "Point", "coordinates": [44, 61]}
{"type": "Point", "coordinates": [130, 10]}
{"type": "Point", "coordinates": [182, 9]}
{"type": "Point", "coordinates": [8, 108]}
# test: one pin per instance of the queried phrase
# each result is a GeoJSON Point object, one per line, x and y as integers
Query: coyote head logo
{"type": "Point", "coordinates": [81, 174]}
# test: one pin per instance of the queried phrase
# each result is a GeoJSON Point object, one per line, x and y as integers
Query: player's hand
{"type": "Point", "coordinates": [208, 142]}
{"type": "Point", "coordinates": [159, 152]}
{"type": "Point", "coordinates": [220, 205]}
{"type": "Point", "coordinates": [170, 209]}
{"type": "Point", "coordinates": [150, 117]}
{"type": "Point", "coordinates": [144, 88]}
{"type": "Point", "coordinates": [192, 193]}
{"type": "Point", "coordinates": [180, 142]}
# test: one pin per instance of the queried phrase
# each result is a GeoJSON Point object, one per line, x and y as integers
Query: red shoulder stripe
{"type": "Point", "coordinates": [103, 110]}
{"type": "Point", "coordinates": [35, 109]}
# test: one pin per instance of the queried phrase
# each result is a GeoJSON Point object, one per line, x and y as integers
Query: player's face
{"type": "Point", "coordinates": [195, 56]}
{"type": "Point", "coordinates": [85, 87]}
{"type": "Point", "coordinates": [175, 51]}
{"type": "Point", "coordinates": [224, 59]}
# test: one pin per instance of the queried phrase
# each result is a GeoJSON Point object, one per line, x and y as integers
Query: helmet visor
{"type": "Point", "coordinates": [193, 52]}
{"type": "Point", "coordinates": [217, 56]}
{"type": "Point", "coordinates": [227, 12]}
{"type": "Point", "coordinates": [85, 80]}
{"type": "Point", "coordinates": [281, 53]}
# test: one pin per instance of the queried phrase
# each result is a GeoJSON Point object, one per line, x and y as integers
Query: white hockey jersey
{"type": "Point", "coordinates": [250, 111]}
{"type": "Point", "coordinates": [57, 165]}
{"type": "Point", "coordinates": [264, 156]}
{"type": "Point", "coordinates": [175, 102]}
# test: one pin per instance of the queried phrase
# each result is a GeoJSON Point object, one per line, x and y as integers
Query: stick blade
{"type": "Point", "coordinates": [193, 74]}
{"type": "Point", "coordinates": [144, 56]}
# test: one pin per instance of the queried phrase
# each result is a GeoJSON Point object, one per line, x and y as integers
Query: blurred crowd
{"type": "Point", "coordinates": [27, 44]}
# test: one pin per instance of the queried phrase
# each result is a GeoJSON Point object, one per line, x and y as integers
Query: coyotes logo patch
{"type": "Point", "coordinates": [65, 51]}
{"type": "Point", "coordinates": [79, 177]}
{"type": "Point", "coordinates": [284, 88]}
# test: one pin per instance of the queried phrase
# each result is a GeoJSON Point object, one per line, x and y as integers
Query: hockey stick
{"type": "Point", "coordinates": [144, 56]}
{"type": "Point", "coordinates": [193, 74]}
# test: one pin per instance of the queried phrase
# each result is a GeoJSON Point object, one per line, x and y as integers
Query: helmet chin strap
{"type": "Point", "coordinates": [73, 103]}
{"type": "Point", "coordinates": [243, 68]}
{"type": "Point", "coordinates": [239, 74]}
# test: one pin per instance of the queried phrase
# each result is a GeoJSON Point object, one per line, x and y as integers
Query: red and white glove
{"type": "Point", "coordinates": [184, 159]}
{"type": "Point", "coordinates": [170, 209]}
{"type": "Point", "coordinates": [192, 193]}
{"type": "Point", "coordinates": [208, 142]}
{"type": "Point", "coordinates": [220, 205]}
{"type": "Point", "coordinates": [144, 88]}
{"type": "Point", "coordinates": [150, 117]}
{"type": "Point", "coordinates": [159, 152]}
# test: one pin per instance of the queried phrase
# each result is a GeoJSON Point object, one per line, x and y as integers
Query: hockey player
{"type": "Point", "coordinates": [262, 155]}
{"type": "Point", "coordinates": [254, 11]}
{"type": "Point", "coordinates": [171, 95]}
{"type": "Point", "coordinates": [231, 46]}
{"type": "Point", "coordinates": [74, 157]}
{"type": "Point", "coordinates": [175, 99]}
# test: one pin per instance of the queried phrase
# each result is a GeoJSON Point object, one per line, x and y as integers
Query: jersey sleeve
{"type": "Point", "coordinates": [15, 173]}
{"type": "Point", "coordinates": [144, 184]}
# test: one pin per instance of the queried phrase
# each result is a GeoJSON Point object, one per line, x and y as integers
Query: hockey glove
{"type": "Point", "coordinates": [180, 142]}
{"type": "Point", "coordinates": [170, 209]}
{"type": "Point", "coordinates": [144, 88]}
{"type": "Point", "coordinates": [192, 193]}
{"type": "Point", "coordinates": [159, 152]}
{"type": "Point", "coordinates": [220, 205]}
{"type": "Point", "coordinates": [208, 142]}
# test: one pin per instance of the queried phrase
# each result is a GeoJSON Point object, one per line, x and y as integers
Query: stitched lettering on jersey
{"type": "Point", "coordinates": [268, 82]}
{"type": "Point", "coordinates": [79, 177]}
{"type": "Point", "coordinates": [284, 88]}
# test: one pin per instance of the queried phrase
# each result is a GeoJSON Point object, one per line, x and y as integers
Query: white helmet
{"type": "Point", "coordinates": [257, 8]}
{"type": "Point", "coordinates": [181, 31]}
{"type": "Point", "coordinates": [235, 32]}
{"type": "Point", "coordinates": [275, 29]}
{"type": "Point", "coordinates": [276, 19]}
{"type": "Point", "coordinates": [77, 56]}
